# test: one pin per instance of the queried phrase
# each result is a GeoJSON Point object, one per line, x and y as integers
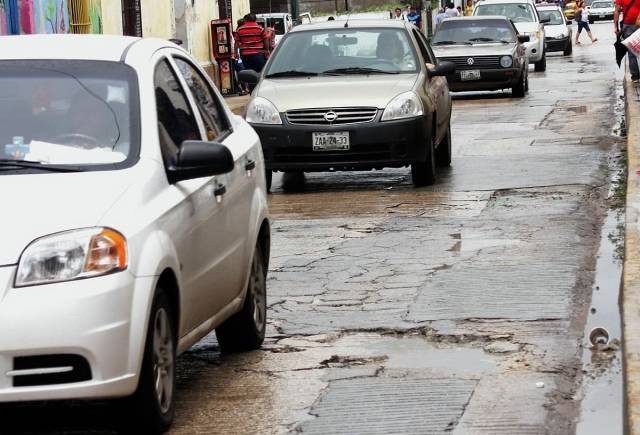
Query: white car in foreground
{"type": "Point", "coordinates": [134, 221]}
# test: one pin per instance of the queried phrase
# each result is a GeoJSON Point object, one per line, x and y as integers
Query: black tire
{"type": "Point", "coordinates": [541, 65]}
{"type": "Point", "coordinates": [443, 152]}
{"type": "Point", "coordinates": [526, 83]}
{"type": "Point", "coordinates": [245, 330]}
{"type": "Point", "coordinates": [269, 177]}
{"type": "Point", "coordinates": [424, 173]}
{"type": "Point", "coordinates": [143, 409]}
{"type": "Point", "coordinates": [568, 49]}
{"type": "Point", "coordinates": [520, 89]}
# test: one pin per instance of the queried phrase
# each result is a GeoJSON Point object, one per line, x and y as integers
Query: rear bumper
{"type": "Point", "coordinates": [557, 44]}
{"type": "Point", "coordinates": [490, 80]}
{"type": "Point", "coordinates": [373, 145]}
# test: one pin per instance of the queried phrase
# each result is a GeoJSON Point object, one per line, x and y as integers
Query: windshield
{"type": "Point", "coordinates": [475, 31]}
{"type": "Point", "coordinates": [277, 24]}
{"type": "Point", "coordinates": [67, 112]}
{"type": "Point", "coordinates": [344, 51]}
{"type": "Point", "coordinates": [601, 5]}
{"type": "Point", "coordinates": [516, 12]}
{"type": "Point", "coordinates": [555, 17]}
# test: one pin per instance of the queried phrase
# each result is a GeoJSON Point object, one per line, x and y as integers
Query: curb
{"type": "Point", "coordinates": [630, 298]}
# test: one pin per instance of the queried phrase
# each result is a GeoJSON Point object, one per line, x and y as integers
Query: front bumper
{"type": "Point", "coordinates": [554, 44]}
{"type": "Point", "coordinates": [88, 319]}
{"type": "Point", "coordinates": [534, 49]}
{"type": "Point", "coordinates": [600, 17]}
{"type": "Point", "coordinates": [490, 80]}
{"type": "Point", "coordinates": [373, 145]}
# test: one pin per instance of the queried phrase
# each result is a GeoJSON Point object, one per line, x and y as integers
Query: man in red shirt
{"type": "Point", "coordinates": [253, 43]}
{"type": "Point", "coordinates": [630, 10]}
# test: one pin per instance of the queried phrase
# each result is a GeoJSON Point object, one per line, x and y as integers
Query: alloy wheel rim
{"type": "Point", "coordinates": [163, 364]}
{"type": "Point", "coordinates": [257, 293]}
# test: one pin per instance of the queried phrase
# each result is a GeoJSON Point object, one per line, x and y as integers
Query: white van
{"type": "Point", "coordinates": [281, 22]}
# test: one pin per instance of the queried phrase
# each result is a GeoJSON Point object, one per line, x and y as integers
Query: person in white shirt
{"type": "Point", "coordinates": [398, 15]}
{"type": "Point", "coordinates": [451, 10]}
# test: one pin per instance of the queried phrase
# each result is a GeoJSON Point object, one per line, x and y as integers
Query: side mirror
{"type": "Point", "coordinates": [201, 159]}
{"type": "Point", "coordinates": [443, 69]}
{"type": "Point", "coordinates": [249, 76]}
{"type": "Point", "coordinates": [523, 38]}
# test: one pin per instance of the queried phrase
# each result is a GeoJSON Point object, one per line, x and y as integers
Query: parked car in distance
{"type": "Point", "coordinates": [487, 51]}
{"type": "Point", "coordinates": [525, 17]}
{"type": "Point", "coordinates": [281, 22]}
{"type": "Point", "coordinates": [558, 32]}
{"type": "Point", "coordinates": [570, 11]}
{"type": "Point", "coordinates": [360, 95]}
{"type": "Point", "coordinates": [136, 221]}
{"type": "Point", "coordinates": [600, 10]}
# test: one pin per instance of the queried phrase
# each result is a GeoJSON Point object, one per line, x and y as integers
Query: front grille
{"type": "Point", "coordinates": [355, 154]}
{"type": "Point", "coordinates": [479, 62]}
{"type": "Point", "coordinates": [337, 116]}
{"type": "Point", "coordinates": [54, 369]}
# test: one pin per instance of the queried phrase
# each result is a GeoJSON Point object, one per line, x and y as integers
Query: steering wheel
{"type": "Point", "coordinates": [82, 140]}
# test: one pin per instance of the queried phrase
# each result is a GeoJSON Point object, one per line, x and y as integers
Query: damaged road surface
{"type": "Point", "coordinates": [459, 308]}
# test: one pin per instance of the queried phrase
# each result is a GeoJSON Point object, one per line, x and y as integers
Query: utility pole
{"type": "Point", "coordinates": [295, 9]}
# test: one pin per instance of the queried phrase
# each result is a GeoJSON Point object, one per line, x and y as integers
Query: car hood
{"type": "Point", "coordinates": [596, 11]}
{"type": "Point", "coordinates": [35, 205]}
{"type": "Point", "coordinates": [555, 30]}
{"type": "Point", "coordinates": [527, 27]}
{"type": "Point", "coordinates": [442, 51]}
{"type": "Point", "coordinates": [335, 91]}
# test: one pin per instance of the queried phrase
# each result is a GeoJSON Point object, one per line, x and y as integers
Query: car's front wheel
{"type": "Point", "coordinates": [269, 178]}
{"type": "Point", "coordinates": [151, 408]}
{"type": "Point", "coordinates": [569, 48]}
{"type": "Point", "coordinates": [424, 173]}
{"type": "Point", "coordinates": [541, 65]}
{"type": "Point", "coordinates": [443, 152]}
{"type": "Point", "coordinates": [520, 89]}
{"type": "Point", "coordinates": [245, 329]}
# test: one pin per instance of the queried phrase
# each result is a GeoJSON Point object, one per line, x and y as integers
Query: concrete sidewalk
{"type": "Point", "coordinates": [237, 104]}
{"type": "Point", "coordinates": [631, 274]}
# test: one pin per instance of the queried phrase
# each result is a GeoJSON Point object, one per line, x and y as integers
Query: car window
{"type": "Point", "coordinates": [554, 16]}
{"type": "Point", "coordinates": [319, 51]}
{"type": "Point", "coordinates": [601, 5]}
{"type": "Point", "coordinates": [215, 121]}
{"type": "Point", "coordinates": [422, 46]}
{"type": "Point", "coordinates": [176, 122]}
{"type": "Point", "coordinates": [517, 12]}
{"type": "Point", "coordinates": [473, 30]}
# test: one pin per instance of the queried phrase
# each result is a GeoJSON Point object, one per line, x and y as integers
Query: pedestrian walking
{"type": "Point", "coordinates": [451, 10]}
{"type": "Point", "coordinates": [630, 20]}
{"type": "Point", "coordinates": [414, 17]}
{"type": "Point", "coordinates": [582, 17]}
{"type": "Point", "coordinates": [253, 43]}
{"type": "Point", "coordinates": [468, 9]}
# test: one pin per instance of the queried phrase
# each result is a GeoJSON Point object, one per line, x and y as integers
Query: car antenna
{"type": "Point", "coordinates": [346, 24]}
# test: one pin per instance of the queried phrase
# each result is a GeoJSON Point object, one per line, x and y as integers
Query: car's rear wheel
{"type": "Point", "coordinates": [568, 49]}
{"type": "Point", "coordinates": [520, 89]}
{"type": "Point", "coordinates": [424, 173]}
{"type": "Point", "coordinates": [443, 152]}
{"type": "Point", "coordinates": [245, 330]}
{"type": "Point", "coordinates": [151, 408]}
{"type": "Point", "coordinates": [541, 65]}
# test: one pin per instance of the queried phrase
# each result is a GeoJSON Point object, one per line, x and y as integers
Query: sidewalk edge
{"type": "Point", "coordinates": [631, 268]}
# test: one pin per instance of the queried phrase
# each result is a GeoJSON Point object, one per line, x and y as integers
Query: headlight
{"type": "Point", "coordinates": [407, 105]}
{"type": "Point", "coordinates": [72, 255]}
{"type": "Point", "coordinates": [506, 61]}
{"type": "Point", "coordinates": [262, 111]}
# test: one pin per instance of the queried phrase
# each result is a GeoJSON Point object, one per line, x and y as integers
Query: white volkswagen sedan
{"type": "Point", "coordinates": [134, 221]}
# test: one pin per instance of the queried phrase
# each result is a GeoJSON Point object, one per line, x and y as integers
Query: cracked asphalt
{"type": "Point", "coordinates": [458, 308]}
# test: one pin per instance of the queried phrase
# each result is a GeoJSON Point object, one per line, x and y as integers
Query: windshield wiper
{"type": "Point", "coordinates": [358, 70]}
{"type": "Point", "coordinates": [482, 39]}
{"type": "Point", "coordinates": [8, 163]}
{"type": "Point", "coordinates": [291, 73]}
{"type": "Point", "coordinates": [452, 43]}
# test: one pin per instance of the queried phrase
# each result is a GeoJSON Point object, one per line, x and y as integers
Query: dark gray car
{"type": "Point", "coordinates": [487, 51]}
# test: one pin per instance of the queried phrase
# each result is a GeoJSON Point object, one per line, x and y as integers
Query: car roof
{"type": "Point", "coordinates": [479, 18]}
{"type": "Point", "coordinates": [73, 47]}
{"type": "Point", "coordinates": [351, 24]}
{"type": "Point", "coordinates": [548, 7]}
{"type": "Point", "coordinates": [484, 2]}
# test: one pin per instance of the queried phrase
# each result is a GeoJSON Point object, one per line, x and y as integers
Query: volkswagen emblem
{"type": "Point", "coordinates": [470, 61]}
{"type": "Point", "coordinates": [330, 116]}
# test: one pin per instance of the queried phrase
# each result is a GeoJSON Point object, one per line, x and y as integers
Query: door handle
{"type": "Point", "coordinates": [250, 166]}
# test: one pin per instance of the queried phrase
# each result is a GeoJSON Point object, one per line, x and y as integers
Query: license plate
{"type": "Point", "coordinates": [330, 141]}
{"type": "Point", "coordinates": [473, 74]}
{"type": "Point", "coordinates": [602, 16]}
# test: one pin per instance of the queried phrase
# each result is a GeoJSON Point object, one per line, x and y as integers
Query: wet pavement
{"type": "Point", "coordinates": [459, 308]}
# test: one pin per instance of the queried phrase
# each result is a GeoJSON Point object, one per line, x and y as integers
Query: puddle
{"type": "Point", "coordinates": [406, 353]}
{"type": "Point", "coordinates": [602, 388]}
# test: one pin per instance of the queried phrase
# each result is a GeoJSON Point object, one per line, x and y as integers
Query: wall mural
{"type": "Point", "coordinates": [42, 16]}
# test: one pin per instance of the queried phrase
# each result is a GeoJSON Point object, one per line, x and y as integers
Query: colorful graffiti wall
{"type": "Point", "coordinates": [19, 17]}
